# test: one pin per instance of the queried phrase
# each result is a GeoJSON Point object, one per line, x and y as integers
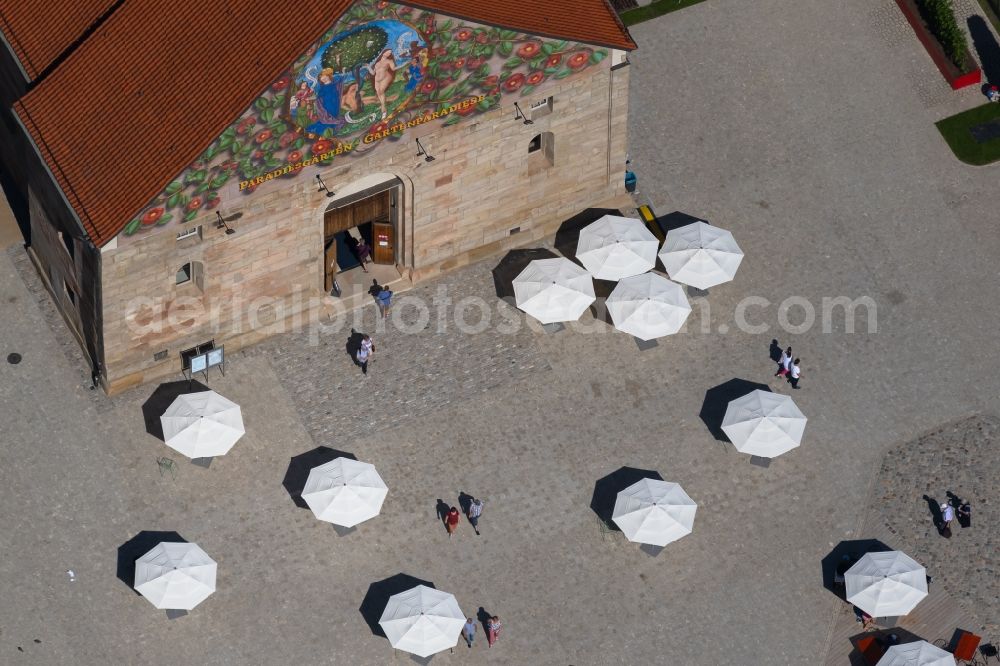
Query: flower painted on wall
{"type": "Point", "coordinates": [380, 69]}
{"type": "Point", "coordinates": [152, 216]}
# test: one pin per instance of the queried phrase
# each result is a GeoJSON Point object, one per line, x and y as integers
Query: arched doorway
{"type": "Point", "coordinates": [363, 221]}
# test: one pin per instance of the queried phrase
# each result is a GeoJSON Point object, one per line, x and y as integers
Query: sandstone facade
{"type": "Point", "coordinates": [268, 276]}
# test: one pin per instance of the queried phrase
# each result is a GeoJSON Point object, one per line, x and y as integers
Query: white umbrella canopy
{"type": "Point", "coordinates": [918, 653]}
{"type": "Point", "coordinates": [615, 247]}
{"type": "Point", "coordinates": [344, 492]}
{"type": "Point", "coordinates": [648, 306]}
{"type": "Point", "coordinates": [886, 584]}
{"type": "Point", "coordinates": [764, 424]}
{"type": "Point", "coordinates": [654, 512]}
{"type": "Point", "coordinates": [700, 255]}
{"type": "Point", "coordinates": [554, 290]}
{"type": "Point", "coordinates": [175, 576]}
{"type": "Point", "coordinates": [202, 425]}
{"type": "Point", "coordinates": [422, 621]}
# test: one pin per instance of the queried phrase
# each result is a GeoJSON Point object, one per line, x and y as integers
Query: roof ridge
{"type": "Point", "coordinates": [69, 50]}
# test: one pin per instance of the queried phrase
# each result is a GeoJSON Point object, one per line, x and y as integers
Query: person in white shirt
{"type": "Point", "coordinates": [786, 359]}
{"type": "Point", "coordinates": [367, 343]}
{"type": "Point", "coordinates": [793, 373]}
{"type": "Point", "coordinates": [362, 357]}
{"type": "Point", "coordinates": [947, 515]}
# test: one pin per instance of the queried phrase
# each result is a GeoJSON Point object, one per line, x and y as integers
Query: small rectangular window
{"type": "Point", "coordinates": [535, 144]}
{"type": "Point", "coordinates": [184, 274]}
{"type": "Point", "coordinates": [542, 108]}
{"type": "Point", "coordinates": [189, 233]}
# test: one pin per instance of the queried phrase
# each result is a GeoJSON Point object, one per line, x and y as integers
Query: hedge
{"type": "Point", "coordinates": [940, 18]}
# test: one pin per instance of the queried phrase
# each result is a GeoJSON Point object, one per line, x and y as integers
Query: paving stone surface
{"type": "Point", "coordinates": [54, 321]}
{"type": "Point", "coordinates": [791, 123]}
{"type": "Point", "coordinates": [961, 459]}
{"type": "Point", "coordinates": [438, 346]}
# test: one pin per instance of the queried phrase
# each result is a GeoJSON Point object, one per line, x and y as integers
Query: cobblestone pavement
{"type": "Point", "coordinates": [789, 122]}
{"type": "Point", "coordinates": [67, 344]}
{"type": "Point", "coordinates": [960, 458]}
{"type": "Point", "coordinates": [930, 87]}
{"type": "Point", "coordinates": [422, 360]}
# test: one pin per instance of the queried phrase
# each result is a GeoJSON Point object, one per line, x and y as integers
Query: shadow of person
{"type": "Point", "coordinates": [935, 508]}
{"type": "Point", "coordinates": [775, 351]}
{"type": "Point", "coordinates": [484, 619]}
{"type": "Point", "coordinates": [465, 501]}
{"type": "Point", "coordinates": [441, 510]}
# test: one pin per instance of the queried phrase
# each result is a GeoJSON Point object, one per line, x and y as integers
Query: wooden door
{"type": "Point", "coordinates": [337, 220]}
{"type": "Point", "coordinates": [384, 237]}
{"type": "Point", "coordinates": [330, 263]}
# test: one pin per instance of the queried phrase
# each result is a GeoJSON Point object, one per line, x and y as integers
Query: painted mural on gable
{"type": "Point", "coordinates": [380, 70]}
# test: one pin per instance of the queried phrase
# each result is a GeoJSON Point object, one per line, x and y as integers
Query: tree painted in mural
{"type": "Point", "coordinates": [381, 69]}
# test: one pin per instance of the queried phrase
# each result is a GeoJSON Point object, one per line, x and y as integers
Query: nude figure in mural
{"type": "Point", "coordinates": [384, 73]}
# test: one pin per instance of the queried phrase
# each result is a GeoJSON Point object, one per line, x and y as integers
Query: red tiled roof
{"type": "Point", "coordinates": [138, 100]}
{"type": "Point", "coordinates": [39, 31]}
{"type": "Point", "coordinates": [588, 21]}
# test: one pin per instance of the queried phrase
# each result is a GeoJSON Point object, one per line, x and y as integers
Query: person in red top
{"type": "Point", "coordinates": [451, 520]}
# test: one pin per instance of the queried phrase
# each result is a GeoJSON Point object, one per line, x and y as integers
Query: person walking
{"type": "Point", "coordinates": [362, 356]}
{"type": "Point", "coordinates": [475, 510]}
{"type": "Point", "coordinates": [451, 520]}
{"type": "Point", "coordinates": [368, 344]}
{"type": "Point", "coordinates": [469, 631]}
{"type": "Point", "coordinates": [947, 515]}
{"type": "Point", "coordinates": [364, 254]}
{"type": "Point", "coordinates": [493, 629]}
{"type": "Point", "coordinates": [784, 362]}
{"type": "Point", "coordinates": [793, 373]}
{"type": "Point", "coordinates": [385, 301]}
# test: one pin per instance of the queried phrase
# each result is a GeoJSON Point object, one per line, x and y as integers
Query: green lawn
{"type": "Point", "coordinates": [654, 9]}
{"type": "Point", "coordinates": [955, 131]}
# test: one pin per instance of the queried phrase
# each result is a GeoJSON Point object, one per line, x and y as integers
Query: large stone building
{"type": "Point", "coordinates": [195, 173]}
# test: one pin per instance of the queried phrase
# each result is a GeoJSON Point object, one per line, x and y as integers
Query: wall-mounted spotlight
{"type": "Point", "coordinates": [323, 187]}
{"type": "Point", "coordinates": [520, 115]}
{"type": "Point", "coordinates": [221, 222]}
{"type": "Point", "coordinates": [421, 152]}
